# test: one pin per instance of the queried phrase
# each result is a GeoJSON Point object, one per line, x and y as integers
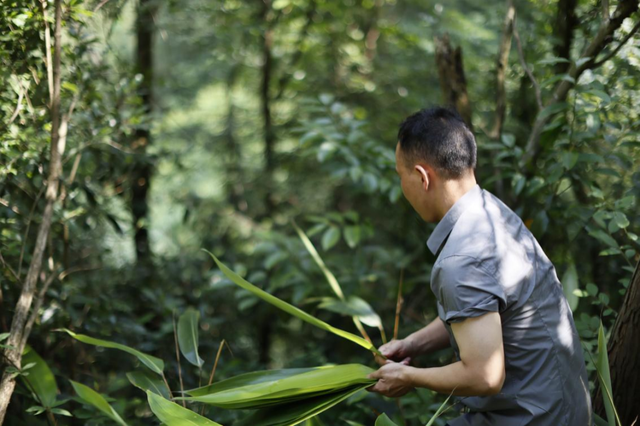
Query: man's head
{"type": "Point", "coordinates": [435, 158]}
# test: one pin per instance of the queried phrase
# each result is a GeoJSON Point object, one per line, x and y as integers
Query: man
{"type": "Point", "coordinates": [500, 304]}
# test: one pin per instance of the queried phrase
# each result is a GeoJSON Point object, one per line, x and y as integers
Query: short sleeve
{"type": "Point", "coordinates": [465, 289]}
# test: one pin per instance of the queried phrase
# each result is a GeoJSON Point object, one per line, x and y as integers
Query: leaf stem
{"type": "Point", "coordinates": [175, 338]}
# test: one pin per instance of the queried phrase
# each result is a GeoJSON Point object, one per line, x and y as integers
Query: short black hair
{"type": "Point", "coordinates": [440, 137]}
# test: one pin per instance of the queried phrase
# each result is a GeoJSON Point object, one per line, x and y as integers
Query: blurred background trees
{"type": "Point", "coordinates": [199, 124]}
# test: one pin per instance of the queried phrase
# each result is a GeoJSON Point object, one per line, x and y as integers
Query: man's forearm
{"type": "Point", "coordinates": [429, 339]}
{"type": "Point", "coordinates": [457, 378]}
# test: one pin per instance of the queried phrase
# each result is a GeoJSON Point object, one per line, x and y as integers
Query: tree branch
{"type": "Point", "coordinates": [36, 307]}
{"type": "Point", "coordinates": [17, 336]}
{"type": "Point", "coordinates": [605, 10]}
{"type": "Point", "coordinates": [620, 46]}
{"type": "Point", "coordinates": [625, 9]}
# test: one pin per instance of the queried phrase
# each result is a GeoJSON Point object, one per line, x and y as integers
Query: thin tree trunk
{"type": "Point", "coordinates": [501, 93]}
{"type": "Point", "coordinates": [566, 21]}
{"type": "Point", "coordinates": [17, 338]}
{"type": "Point", "coordinates": [501, 71]}
{"type": "Point", "coordinates": [452, 79]}
{"type": "Point", "coordinates": [235, 187]}
{"type": "Point", "coordinates": [269, 136]}
{"type": "Point", "coordinates": [142, 169]}
{"type": "Point", "coordinates": [264, 344]}
{"type": "Point", "coordinates": [624, 357]}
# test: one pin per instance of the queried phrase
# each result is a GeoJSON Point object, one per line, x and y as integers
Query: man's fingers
{"type": "Point", "coordinates": [406, 361]}
{"type": "Point", "coordinates": [375, 375]}
{"type": "Point", "coordinates": [374, 388]}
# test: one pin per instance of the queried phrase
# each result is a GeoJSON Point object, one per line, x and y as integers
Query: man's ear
{"type": "Point", "coordinates": [424, 175]}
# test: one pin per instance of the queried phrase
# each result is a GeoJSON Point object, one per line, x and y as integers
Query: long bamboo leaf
{"type": "Point", "coordinates": [188, 336]}
{"type": "Point", "coordinates": [368, 317]}
{"type": "Point", "coordinates": [92, 397]}
{"type": "Point", "coordinates": [352, 306]}
{"type": "Point", "coordinates": [333, 282]}
{"type": "Point", "coordinates": [384, 420]}
{"type": "Point", "coordinates": [146, 382]}
{"type": "Point", "coordinates": [282, 387]}
{"type": "Point", "coordinates": [171, 414]}
{"type": "Point", "coordinates": [604, 377]}
{"type": "Point", "coordinates": [439, 411]}
{"type": "Point", "coordinates": [290, 309]}
{"type": "Point", "coordinates": [155, 364]}
{"type": "Point", "coordinates": [40, 379]}
{"type": "Point", "coordinates": [247, 379]}
{"type": "Point", "coordinates": [299, 411]}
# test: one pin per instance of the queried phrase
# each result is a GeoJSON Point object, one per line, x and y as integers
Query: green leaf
{"type": "Point", "coordinates": [440, 411]}
{"type": "Point", "coordinates": [353, 306]}
{"type": "Point", "coordinates": [40, 380]}
{"type": "Point", "coordinates": [70, 87]}
{"type": "Point", "coordinates": [600, 94]}
{"type": "Point", "coordinates": [263, 389]}
{"type": "Point", "coordinates": [570, 285]}
{"type": "Point", "coordinates": [384, 420]}
{"type": "Point", "coordinates": [592, 289]}
{"type": "Point", "coordinates": [92, 397]}
{"type": "Point", "coordinates": [604, 377]}
{"type": "Point", "coordinates": [61, 412]}
{"type": "Point", "coordinates": [553, 60]}
{"type": "Point", "coordinates": [297, 412]}
{"type": "Point", "coordinates": [553, 109]}
{"type": "Point", "coordinates": [352, 235]}
{"type": "Point", "coordinates": [155, 364]}
{"type": "Point", "coordinates": [625, 203]}
{"type": "Point", "coordinates": [188, 336]}
{"type": "Point", "coordinates": [146, 382]}
{"type": "Point", "coordinates": [620, 221]}
{"type": "Point", "coordinates": [290, 309]}
{"type": "Point", "coordinates": [604, 237]}
{"type": "Point", "coordinates": [330, 237]}
{"type": "Point", "coordinates": [171, 414]}
{"type": "Point", "coordinates": [333, 282]}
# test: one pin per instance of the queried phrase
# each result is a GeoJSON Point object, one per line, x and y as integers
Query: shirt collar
{"type": "Point", "coordinates": [444, 227]}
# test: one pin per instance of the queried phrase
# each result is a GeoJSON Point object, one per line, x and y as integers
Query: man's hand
{"type": "Point", "coordinates": [393, 379]}
{"type": "Point", "coordinates": [396, 350]}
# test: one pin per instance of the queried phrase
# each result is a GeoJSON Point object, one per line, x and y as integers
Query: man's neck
{"type": "Point", "coordinates": [453, 190]}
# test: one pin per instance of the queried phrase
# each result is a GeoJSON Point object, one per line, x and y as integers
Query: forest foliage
{"type": "Point", "coordinates": [264, 131]}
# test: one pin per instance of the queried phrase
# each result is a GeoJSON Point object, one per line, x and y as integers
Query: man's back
{"type": "Point", "coordinates": [488, 262]}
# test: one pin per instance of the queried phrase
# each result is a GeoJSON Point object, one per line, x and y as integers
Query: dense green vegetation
{"type": "Point", "coordinates": [216, 125]}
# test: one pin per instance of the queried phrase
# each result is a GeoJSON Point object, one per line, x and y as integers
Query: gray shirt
{"type": "Point", "coordinates": [488, 261]}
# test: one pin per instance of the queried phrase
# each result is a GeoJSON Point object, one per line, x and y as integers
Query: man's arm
{"type": "Point", "coordinates": [430, 338]}
{"type": "Point", "coordinates": [480, 371]}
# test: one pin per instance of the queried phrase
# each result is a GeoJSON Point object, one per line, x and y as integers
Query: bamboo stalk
{"type": "Point", "coordinates": [398, 305]}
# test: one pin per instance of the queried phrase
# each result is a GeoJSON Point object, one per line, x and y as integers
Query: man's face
{"type": "Point", "coordinates": [413, 185]}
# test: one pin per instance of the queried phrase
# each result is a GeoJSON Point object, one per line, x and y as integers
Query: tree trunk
{"type": "Point", "coordinates": [452, 80]}
{"type": "Point", "coordinates": [18, 335]}
{"type": "Point", "coordinates": [624, 357]}
{"type": "Point", "coordinates": [566, 21]}
{"type": "Point", "coordinates": [269, 146]}
{"type": "Point", "coordinates": [142, 168]}
{"type": "Point", "coordinates": [269, 136]}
